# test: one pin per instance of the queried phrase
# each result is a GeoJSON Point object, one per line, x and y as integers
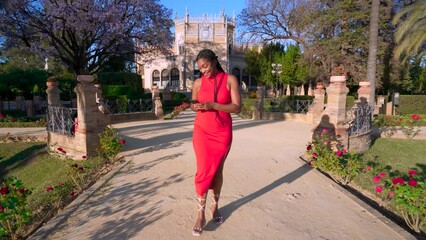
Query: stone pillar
{"type": "Point", "coordinates": [258, 108]}
{"type": "Point", "coordinates": [155, 94]}
{"type": "Point", "coordinates": [364, 92]}
{"type": "Point", "coordinates": [20, 103]}
{"type": "Point", "coordinates": [335, 113]}
{"type": "Point", "coordinates": [317, 107]}
{"type": "Point", "coordinates": [91, 122]}
{"type": "Point", "coordinates": [53, 97]}
{"type": "Point", "coordinates": [29, 108]}
{"type": "Point", "coordinates": [158, 109]}
{"type": "Point", "coordinates": [100, 101]}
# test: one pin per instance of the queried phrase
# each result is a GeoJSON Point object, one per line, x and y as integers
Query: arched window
{"type": "Point", "coordinates": [164, 77]}
{"type": "Point", "coordinates": [237, 74]}
{"type": "Point", "coordinates": [175, 77]}
{"type": "Point", "coordinates": [156, 78]}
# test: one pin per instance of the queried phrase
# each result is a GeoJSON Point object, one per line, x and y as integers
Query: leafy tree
{"type": "Point", "coordinates": [84, 34]}
{"type": "Point", "coordinates": [410, 34]}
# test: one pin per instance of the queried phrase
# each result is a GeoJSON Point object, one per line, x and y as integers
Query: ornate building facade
{"type": "Point", "coordinates": [178, 71]}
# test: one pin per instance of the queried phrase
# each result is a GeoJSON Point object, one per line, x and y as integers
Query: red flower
{"type": "Point", "coordinates": [4, 190]}
{"type": "Point", "coordinates": [412, 183]}
{"type": "Point", "coordinates": [84, 157]}
{"type": "Point", "coordinates": [72, 194]}
{"type": "Point", "coordinates": [339, 153]}
{"type": "Point", "coordinates": [1, 115]}
{"type": "Point", "coordinates": [309, 147]}
{"type": "Point", "coordinates": [382, 175]}
{"type": "Point", "coordinates": [62, 184]}
{"type": "Point", "coordinates": [314, 155]}
{"type": "Point", "coordinates": [345, 151]}
{"type": "Point", "coordinates": [1, 208]}
{"type": "Point", "coordinates": [368, 168]}
{"type": "Point", "coordinates": [60, 149]}
{"type": "Point", "coordinates": [398, 180]}
{"type": "Point", "coordinates": [376, 179]}
{"type": "Point", "coordinates": [48, 189]}
{"type": "Point", "coordinates": [123, 141]}
{"type": "Point", "coordinates": [81, 169]}
{"type": "Point", "coordinates": [415, 117]}
{"type": "Point", "coordinates": [14, 119]}
{"type": "Point", "coordinates": [21, 190]}
{"type": "Point", "coordinates": [310, 163]}
{"type": "Point", "coordinates": [391, 194]}
{"type": "Point", "coordinates": [379, 189]}
{"type": "Point", "coordinates": [412, 172]}
{"type": "Point", "coordinates": [8, 133]}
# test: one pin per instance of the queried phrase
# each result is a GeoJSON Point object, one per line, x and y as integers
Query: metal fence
{"type": "Point", "coordinates": [61, 120]}
{"type": "Point", "coordinates": [359, 118]}
{"type": "Point", "coordinates": [128, 106]}
{"type": "Point", "coordinates": [288, 105]}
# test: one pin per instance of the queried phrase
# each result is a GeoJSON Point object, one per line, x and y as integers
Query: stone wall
{"type": "Point", "coordinates": [360, 143]}
{"type": "Point", "coordinates": [129, 117]}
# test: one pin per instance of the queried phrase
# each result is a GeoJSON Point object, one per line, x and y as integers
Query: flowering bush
{"type": "Point", "coordinates": [179, 109]}
{"type": "Point", "coordinates": [326, 155]}
{"type": "Point", "coordinates": [110, 143]}
{"type": "Point", "coordinates": [59, 192]}
{"type": "Point", "coordinates": [409, 125]}
{"type": "Point", "coordinates": [338, 71]}
{"type": "Point", "coordinates": [14, 211]}
{"type": "Point", "coordinates": [407, 192]}
{"type": "Point", "coordinates": [10, 121]}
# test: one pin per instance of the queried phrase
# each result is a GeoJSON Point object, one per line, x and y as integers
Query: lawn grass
{"type": "Point", "coordinates": [37, 169]}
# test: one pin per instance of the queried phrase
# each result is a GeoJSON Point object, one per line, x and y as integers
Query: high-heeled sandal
{"type": "Point", "coordinates": [218, 219]}
{"type": "Point", "coordinates": [196, 231]}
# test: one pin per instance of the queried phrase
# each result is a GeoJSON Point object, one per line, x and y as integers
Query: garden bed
{"type": "Point", "coordinates": [390, 177]}
{"type": "Point", "coordinates": [47, 182]}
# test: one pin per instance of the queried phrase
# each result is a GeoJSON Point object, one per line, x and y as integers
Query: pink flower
{"type": "Point", "coordinates": [382, 175]}
{"type": "Point", "coordinates": [314, 155]}
{"type": "Point", "coordinates": [339, 153]}
{"type": "Point", "coordinates": [379, 189]}
{"type": "Point", "coordinates": [412, 183]}
{"type": "Point", "coordinates": [391, 194]}
{"type": "Point", "coordinates": [123, 141]}
{"type": "Point", "coordinates": [48, 189]}
{"type": "Point", "coordinates": [368, 168]}
{"type": "Point", "coordinates": [325, 130]}
{"type": "Point", "coordinates": [310, 163]}
{"type": "Point", "coordinates": [4, 190]}
{"type": "Point", "coordinates": [376, 179]}
{"type": "Point", "coordinates": [309, 147]}
{"type": "Point", "coordinates": [412, 172]}
{"type": "Point", "coordinates": [344, 151]}
{"type": "Point", "coordinates": [398, 180]}
{"type": "Point", "coordinates": [72, 194]}
{"type": "Point", "coordinates": [1, 115]}
{"type": "Point", "coordinates": [415, 117]}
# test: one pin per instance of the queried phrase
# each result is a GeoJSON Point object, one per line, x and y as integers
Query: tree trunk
{"type": "Point", "coordinates": [372, 53]}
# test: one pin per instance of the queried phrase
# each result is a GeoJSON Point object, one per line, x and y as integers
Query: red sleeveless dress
{"type": "Point", "coordinates": [212, 135]}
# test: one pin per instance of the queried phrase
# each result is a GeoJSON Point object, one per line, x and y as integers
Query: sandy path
{"type": "Point", "coordinates": [267, 194]}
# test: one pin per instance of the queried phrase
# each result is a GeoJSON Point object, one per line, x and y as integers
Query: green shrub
{"type": "Point", "coordinates": [411, 104]}
{"type": "Point", "coordinates": [110, 143]}
{"type": "Point", "coordinates": [133, 80]}
{"type": "Point", "coordinates": [22, 82]}
{"type": "Point", "coordinates": [179, 96]}
{"type": "Point", "coordinates": [67, 83]}
{"type": "Point", "coordinates": [247, 107]}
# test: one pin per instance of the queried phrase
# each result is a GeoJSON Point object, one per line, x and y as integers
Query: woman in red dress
{"type": "Point", "coordinates": [215, 95]}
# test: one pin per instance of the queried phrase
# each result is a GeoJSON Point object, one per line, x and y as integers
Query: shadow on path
{"type": "Point", "coordinates": [230, 208]}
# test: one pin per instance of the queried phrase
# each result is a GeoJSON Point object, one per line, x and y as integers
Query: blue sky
{"type": "Point", "coordinates": [200, 7]}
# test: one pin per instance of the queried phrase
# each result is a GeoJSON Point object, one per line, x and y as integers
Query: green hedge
{"type": "Point", "coordinates": [121, 83]}
{"type": "Point", "coordinates": [23, 82]}
{"type": "Point", "coordinates": [411, 104]}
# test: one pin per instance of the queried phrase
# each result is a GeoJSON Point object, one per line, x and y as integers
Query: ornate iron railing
{"type": "Point", "coordinates": [61, 120]}
{"type": "Point", "coordinates": [128, 106]}
{"type": "Point", "coordinates": [359, 118]}
{"type": "Point", "coordinates": [290, 106]}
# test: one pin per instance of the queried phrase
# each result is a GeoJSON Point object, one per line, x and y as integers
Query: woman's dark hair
{"type": "Point", "coordinates": [210, 56]}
